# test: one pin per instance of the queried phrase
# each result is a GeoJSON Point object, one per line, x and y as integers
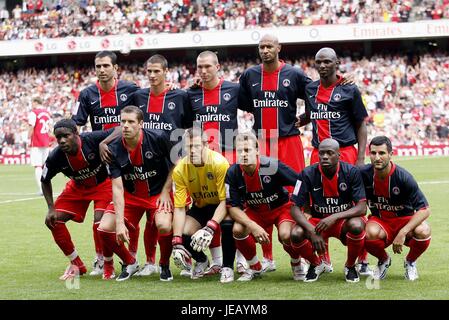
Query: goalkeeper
{"type": "Point", "coordinates": [201, 176]}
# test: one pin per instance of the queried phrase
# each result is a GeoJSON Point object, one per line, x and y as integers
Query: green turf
{"type": "Point", "coordinates": [31, 262]}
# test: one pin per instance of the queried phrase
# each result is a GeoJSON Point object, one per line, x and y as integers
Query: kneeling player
{"type": "Point", "coordinates": [399, 210]}
{"type": "Point", "coordinates": [201, 174]}
{"type": "Point", "coordinates": [76, 156]}
{"type": "Point", "coordinates": [333, 192]}
{"type": "Point", "coordinates": [257, 184]}
{"type": "Point", "coordinates": [141, 182]}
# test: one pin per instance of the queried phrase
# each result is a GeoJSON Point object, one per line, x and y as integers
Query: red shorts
{"type": "Point", "coordinates": [287, 149]}
{"type": "Point", "coordinates": [135, 207]}
{"type": "Point", "coordinates": [75, 199]}
{"type": "Point", "coordinates": [267, 219]}
{"type": "Point", "coordinates": [347, 154]}
{"type": "Point", "coordinates": [391, 225]}
{"type": "Point", "coordinates": [335, 230]}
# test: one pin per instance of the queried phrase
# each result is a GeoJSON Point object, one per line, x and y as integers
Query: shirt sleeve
{"type": "Point", "coordinates": [301, 192]}
{"type": "Point", "coordinates": [302, 81]}
{"type": "Point", "coordinates": [180, 189]}
{"type": "Point", "coordinates": [80, 112]}
{"type": "Point", "coordinates": [98, 136]}
{"type": "Point", "coordinates": [49, 170]}
{"type": "Point", "coordinates": [244, 100]}
{"type": "Point", "coordinates": [358, 108]}
{"type": "Point", "coordinates": [287, 176]}
{"type": "Point", "coordinates": [165, 145]}
{"type": "Point", "coordinates": [416, 196]}
{"type": "Point", "coordinates": [357, 186]}
{"type": "Point", "coordinates": [187, 119]}
{"type": "Point", "coordinates": [233, 198]}
{"type": "Point", "coordinates": [114, 167]}
{"type": "Point", "coordinates": [220, 173]}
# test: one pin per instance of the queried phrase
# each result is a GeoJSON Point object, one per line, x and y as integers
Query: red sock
{"type": "Point", "coordinates": [306, 251]}
{"type": "Point", "coordinates": [247, 247]}
{"type": "Point", "coordinates": [110, 245]}
{"type": "Point", "coordinates": [256, 266]}
{"type": "Point", "coordinates": [133, 239]}
{"type": "Point", "coordinates": [62, 238]}
{"type": "Point", "coordinates": [216, 240]}
{"type": "Point", "coordinates": [97, 240]}
{"type": "Point", "coordinates": [106, 243]}
{"type": "Point", "coordinates": [363, 256]}
{"type": "Point", "coordinates": [78, 262]}
{"type": "Point", "coordinates": [292, 251]}
{"type": "Point", "coordinates": [150, 237]}
{"type": "Point", "coordinates": [417, 248]}
{"type": "Point", "coordinates": [267, 248]}
{"type": "Point", "coordinates": [355, 245]}
{"type": "Point", "coordinates": [376, 248]}
{"type": "Point", "coordinates": [166, 247]}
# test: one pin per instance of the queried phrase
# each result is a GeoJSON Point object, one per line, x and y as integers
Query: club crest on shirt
{"type": "Point", "coordinates": [171, 105]}
{"type": "Point", "coordinates": [227, 97]}
{"type": "Point", "coordinates": [337, 97]}
{"type": "Point", "coordinates": [396, 190]}
{"type": "Point", "coordinates": [123, 97]}
{"type": "Point", "coordinates": [148, 154]}
{"type": "Point", "coordinates": [266, 179]}
{"type": "Point", "coordinates": [210, 176]}
{"type": "Point", "coordinates": [286, 82]}
{"type": "Point", "coordinates": [343, 186]}
{"type": "Point", "coordinates": [91, 156]}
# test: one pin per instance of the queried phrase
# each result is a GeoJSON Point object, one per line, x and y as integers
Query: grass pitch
{"type": "Point", "coordinates": [31, 262]}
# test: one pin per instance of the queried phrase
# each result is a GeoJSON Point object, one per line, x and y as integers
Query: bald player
{"type": "Point", "coordinates": [270, 91]}
{"type": "Point", "coordinates": [333, 193]}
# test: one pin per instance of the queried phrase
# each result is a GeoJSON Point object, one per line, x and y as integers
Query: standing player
{"type": "Point", "coordinates": [40, 122]}
{"type": "Point", "coordinates": [336, 111]}
{"type": "Point", "coordinates": [163, 109]}
{"type": "Point", "coordinates": [214, 106]}
{"type": "Point", "coordinates": [256, 183]}
{"type": "Point", "coordinates": [141, 182]}
{"type": "Point", "coordinates": [398, 208]}
{"type": "Point", "coordinates": [333, 192]}
{"type": "Point", "coordinates": [201, 175]}
{"type": "Point", "coordinates": [270, 91]}
{"type": "Point", "coordinates": [78, 158]}
{"type": "Point", "coordinates": [102, 103]}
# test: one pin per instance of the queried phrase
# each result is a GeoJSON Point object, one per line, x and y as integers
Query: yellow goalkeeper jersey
{"type": "Point", "coordinates": [206, 184]}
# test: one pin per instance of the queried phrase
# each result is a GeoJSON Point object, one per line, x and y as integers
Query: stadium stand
{"type": "Point", "coordinates": [58, 19]}
{"type": "Point", "coordinates": [407, 100]}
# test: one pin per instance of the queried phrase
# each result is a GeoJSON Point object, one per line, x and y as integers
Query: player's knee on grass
{"type": "Point", "coordinates": [422, 231]}
{"type": "Point", "coordinates": [354, 226]}
{"type": "Point", "coordinates": [374, 231]}
{"type": "Point", "coordinates": [297, 235]}
{"type": "Point", "coordinates": [239, 231]}
{"type": "Point", "coordinates": [107, 223]}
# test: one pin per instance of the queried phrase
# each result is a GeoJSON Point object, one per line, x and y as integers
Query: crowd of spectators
{"type": "Point", "coordinates": [38, 19]}
{"type": "Point", "coordinates": [406, 100]}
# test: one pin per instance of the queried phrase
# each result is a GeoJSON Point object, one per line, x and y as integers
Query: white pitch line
{"type": "Point", "coordinates": [434, 182]}
{"type": "Point", "coordinates": [17, 194]}
{"type": "Point", "coordinates": [19, 200]}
